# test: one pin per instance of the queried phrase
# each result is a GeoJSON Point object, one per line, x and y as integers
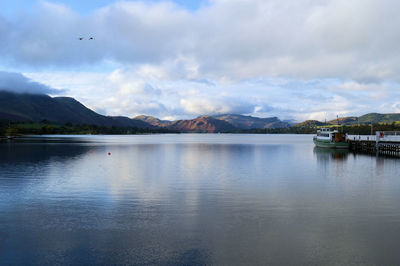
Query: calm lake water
{"type": "Point", "coordinates": [196, 199]}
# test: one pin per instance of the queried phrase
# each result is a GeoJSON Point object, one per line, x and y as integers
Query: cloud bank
{"type": "Point", "coordinates": [238, 39]}
{"type": "Point", "coordinates": [296, 59]}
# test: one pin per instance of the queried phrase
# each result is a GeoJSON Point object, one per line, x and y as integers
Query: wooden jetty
{"type": "Point", "coordinates": [383, 143]}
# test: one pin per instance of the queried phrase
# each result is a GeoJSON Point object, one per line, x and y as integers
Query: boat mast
{"type": "Point", "coordinates": [338, 123]}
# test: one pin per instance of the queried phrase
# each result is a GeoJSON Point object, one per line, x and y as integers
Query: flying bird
{"type": "Point", "coordinates": [80, 38]}
{"type": "Point", "coordinates": [91, 38]}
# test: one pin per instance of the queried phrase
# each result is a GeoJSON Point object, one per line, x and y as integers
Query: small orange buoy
{"type": "Point", "coordinates": [109, 153]}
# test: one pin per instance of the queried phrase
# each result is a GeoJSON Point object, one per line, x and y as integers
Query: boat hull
{"type": "Point", "coordinates": [330, 144]}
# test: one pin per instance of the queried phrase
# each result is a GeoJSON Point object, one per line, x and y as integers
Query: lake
{"type": "Point", "coordinates": [195, 199]}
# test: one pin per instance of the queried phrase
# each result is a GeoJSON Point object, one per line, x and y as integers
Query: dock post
{"type": "Point", "coordinates": [377, 141]}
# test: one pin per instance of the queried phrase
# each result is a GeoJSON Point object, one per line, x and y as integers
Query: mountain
{"type": "Point", "coordinates": [123, 121]}
{"type": "Point", "coordinates": [367, 119]}
{"type": "Point", "coordinates": [344, 120]}
{"type": "Point", "coordinates": [310, 124]}
{"type": "Point", "coordinates": [153, 120]}
{"type": "Point", "coordinates": [379, 118]}
{"type": "Point", "coordinates": [61, 110]}
{"type": "Point", "coordinates": [205, 124]}
{"type": "Point", "coordinates": [35, 108]}
{"type": "Point", "coordinates": [218, 123]}
{"type": "Point", "coordinates": [350, 120]}
{"type": "Point", "coordinates": [374, 118]}
{"type": "Point", "coordinates": [249, 122]}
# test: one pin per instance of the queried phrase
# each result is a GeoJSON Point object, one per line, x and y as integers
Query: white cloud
{"type": "Point", "coordinates": [130, 84]}
{"type": "Point", "coordinates": [179, 99]}
{"type": "Point", "coordinates": [238, 39]}
{"type": "Point", "coordinates": [212, 106]}
{"type": "Point", "coordinates": [293, 59]}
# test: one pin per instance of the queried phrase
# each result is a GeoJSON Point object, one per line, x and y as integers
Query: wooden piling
{"type": "Point", "coordinates": [373, 147]}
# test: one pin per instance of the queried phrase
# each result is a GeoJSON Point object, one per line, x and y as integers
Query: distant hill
{"type": "Point", "coordinates": [367, 119]}
{"type": "Point", "coordinates": [344, 120]}
{"type": "Point", "coordinates": [310, 124]}
{"type": "Point", "coordinates": [35, 108]}
{"type": "Point", "coordinates": [218, 123]}
{"type": "Point", "coordinates": [374, 118]}
{"type": "Point", "coordinates": [206, 124]}
{"type": "Point", "coordinates": [249, 122]}
{"type": "Point", "coordinates": [153, 120]}
{"type": "Point", "coordinates": [379, 118]}
{"type": "Point", "coordinates": [61, 110]}
{"type": "Point", "coordinates": [123, 121]}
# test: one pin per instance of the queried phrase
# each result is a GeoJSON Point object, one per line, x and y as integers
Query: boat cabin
{"type": "Point", "coordinates": [331, 135]}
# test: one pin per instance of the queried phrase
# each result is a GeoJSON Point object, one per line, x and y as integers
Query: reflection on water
{"type": "Point", "coordinates": [35, 153]}
{"type": "Point", "coordinates": [325, 154]}
{"type": "Point", "coordinates": [195, 199]}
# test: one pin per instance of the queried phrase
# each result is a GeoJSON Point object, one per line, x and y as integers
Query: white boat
{"type": "Point", "coordinates": [330, 138]}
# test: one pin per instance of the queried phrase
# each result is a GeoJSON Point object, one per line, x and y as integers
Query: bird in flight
{"type": "Point", "coordinates": [81, 38]}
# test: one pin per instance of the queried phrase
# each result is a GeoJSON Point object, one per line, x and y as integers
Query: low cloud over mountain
{"type": "Point", "coordinates": [18, 83]}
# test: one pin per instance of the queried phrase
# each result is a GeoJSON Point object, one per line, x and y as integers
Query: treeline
{"type": "Point", "coordinates": [367, 129]}
{"type": "Point", "coordinates": [289, 130]}
{"type": "Point", "coordinates": [48, 128]}
{"type": "Point", "coordinates": [349, 129]}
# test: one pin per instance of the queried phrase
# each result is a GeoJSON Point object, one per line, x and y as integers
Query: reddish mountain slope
{"type": "Point", "coordinates": [201, 124]}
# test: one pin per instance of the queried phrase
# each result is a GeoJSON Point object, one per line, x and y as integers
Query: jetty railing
{"type": "Point", "coordinates": [389, 136]}
{"type": "Point", "coordinates": [361, 137]}
{"type": "Point", "coordinates": [384, 142]}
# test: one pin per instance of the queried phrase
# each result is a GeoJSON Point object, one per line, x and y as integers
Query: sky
{"type": "Point", "coordinates": [298, 60]}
